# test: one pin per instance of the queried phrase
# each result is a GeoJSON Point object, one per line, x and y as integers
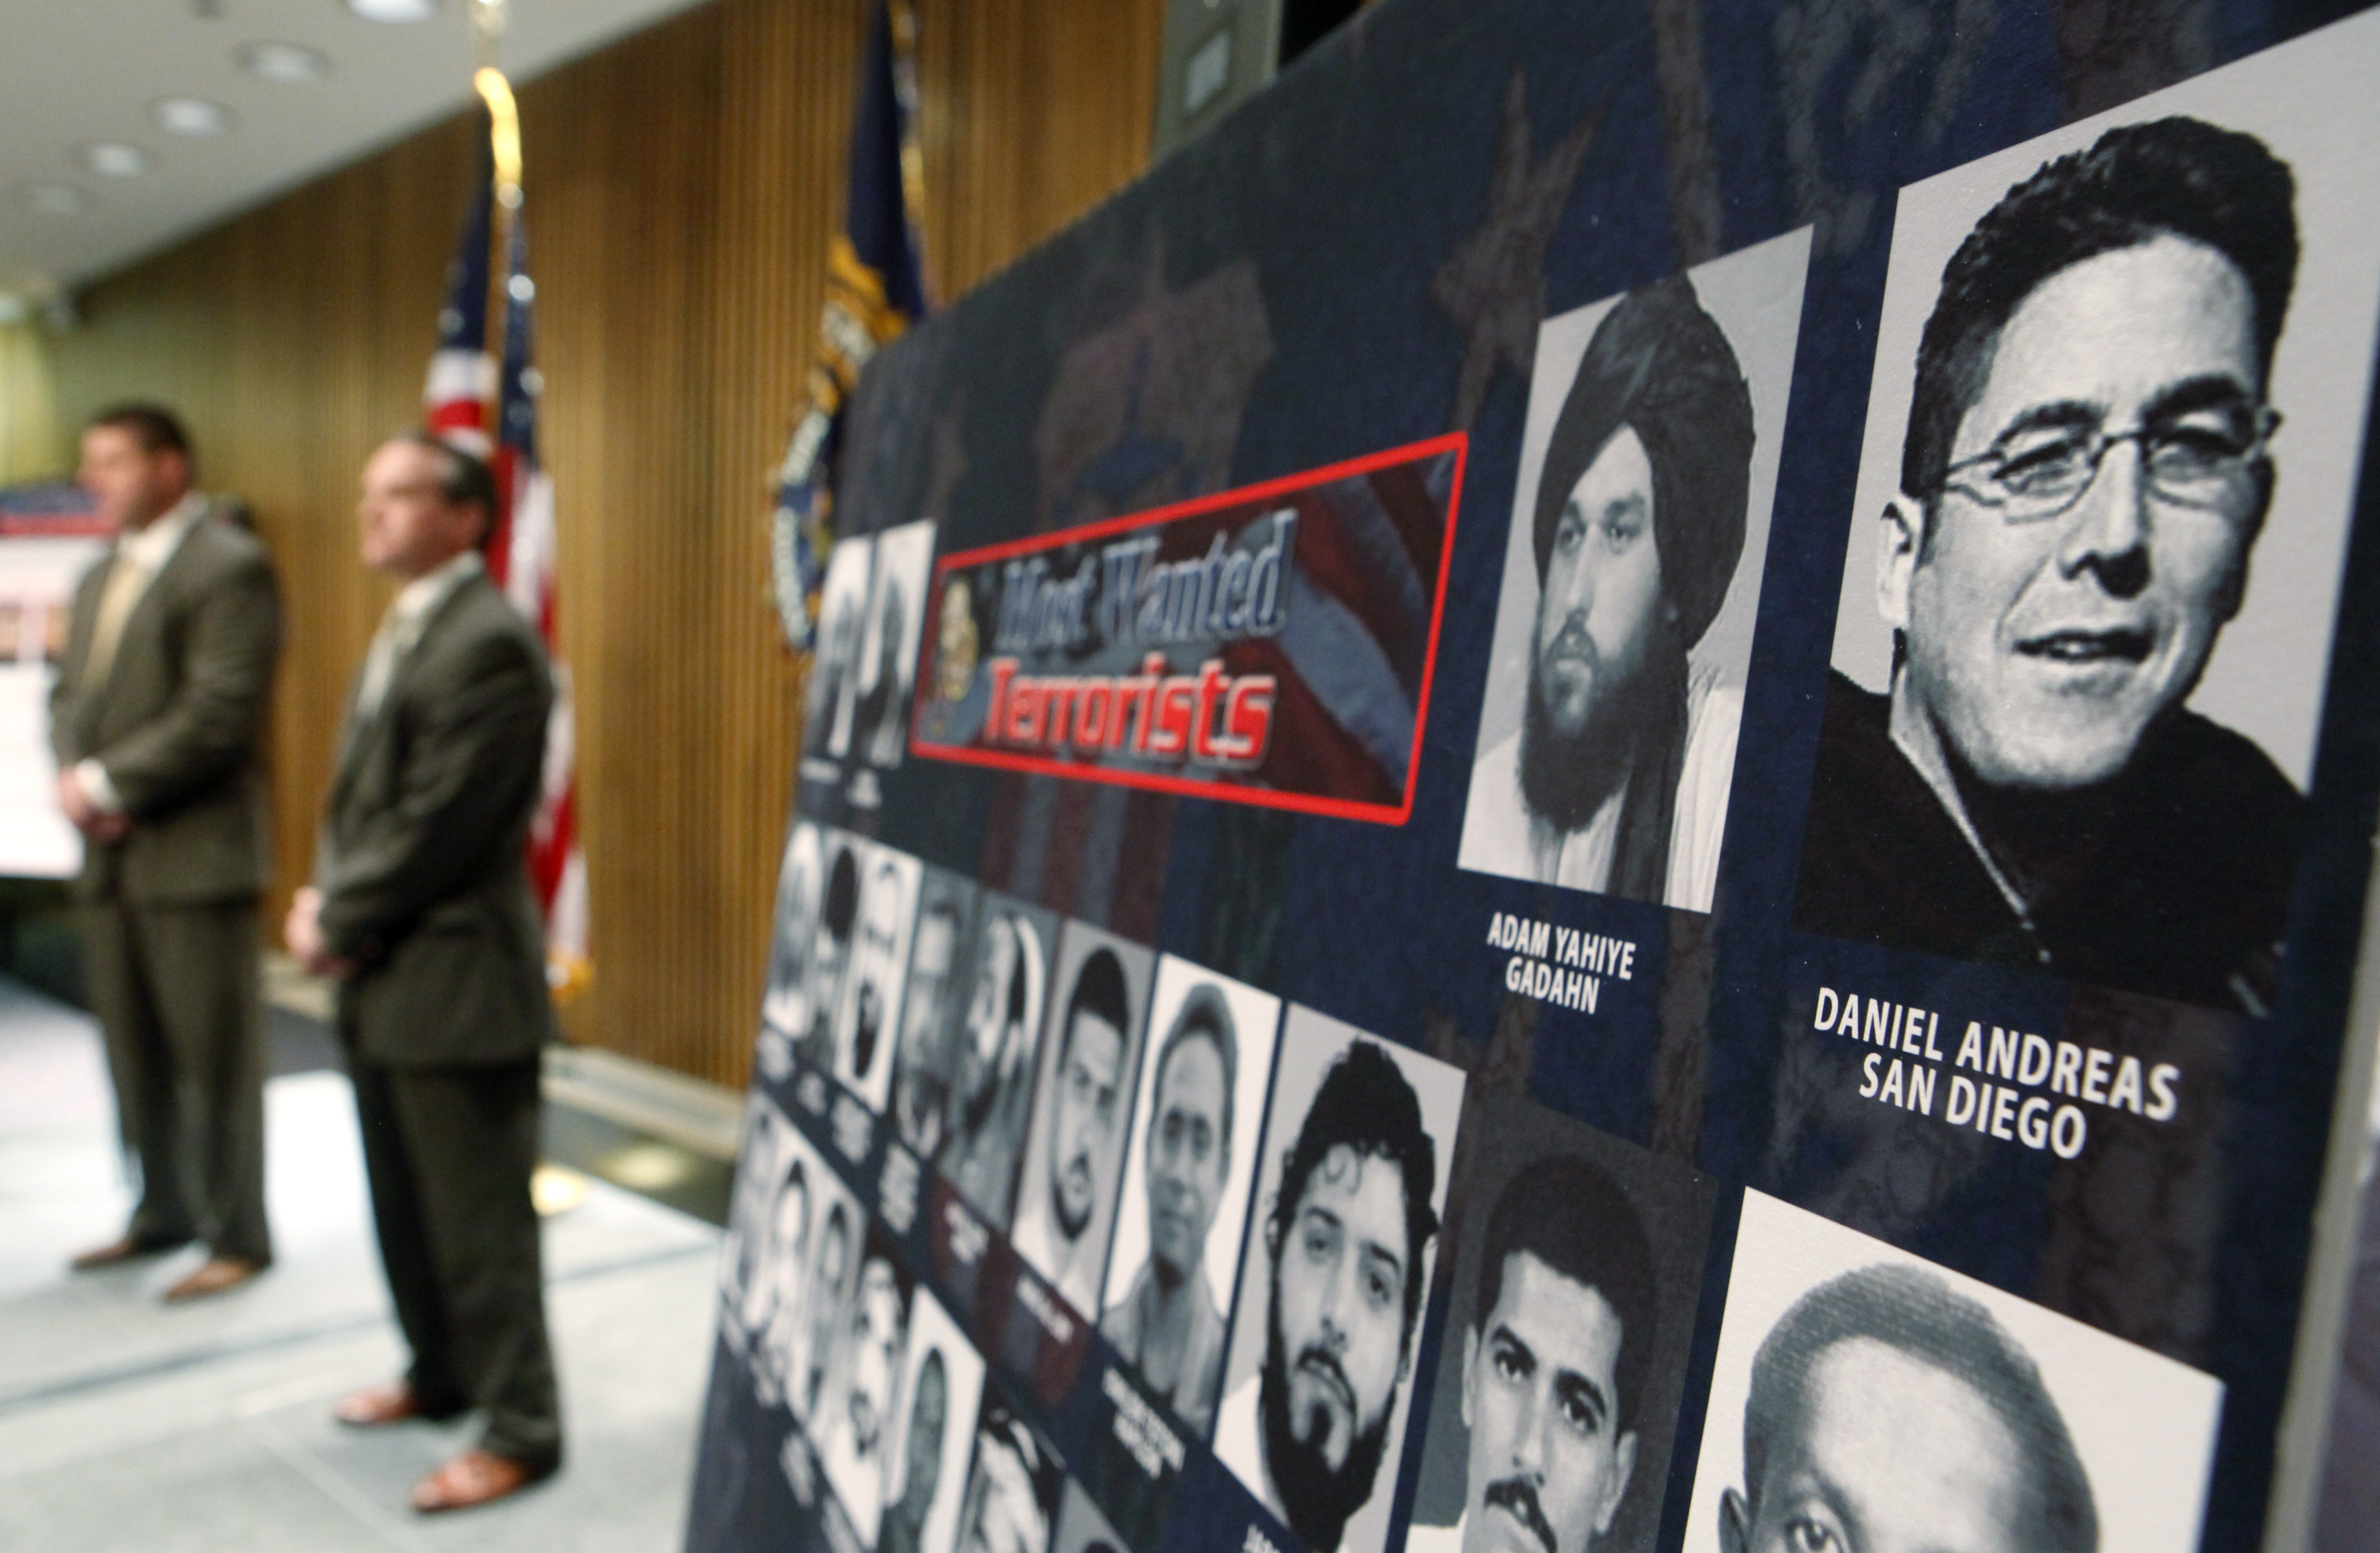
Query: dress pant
{"type": "Point", "coordinates": [449, 1151]}
{"type": "Point", "coordinates": [177, 995]}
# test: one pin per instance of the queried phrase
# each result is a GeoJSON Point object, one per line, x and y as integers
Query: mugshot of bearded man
{"type": "Point", "coordinates": [826, 1310]}
{"type": "Point", "coordinates": [993, 1097]}
{"type": "Point", "coordinates": [1618, 779]}
{"type": "Point", "coordinates": [1345, 1238]}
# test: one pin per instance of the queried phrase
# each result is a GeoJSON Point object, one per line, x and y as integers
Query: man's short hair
{"type": "Point", "coordinates": [1565, 1212]}
{"type": "Point", "coordinates": [1911, 1310]}
{"type": "Point", "coordinates": [155, 428]}
{"type": "Point", "coordinates": [468, 479]}
{"type": "Point", "coordinates": [1098, 990]}
{"type": "Point", "coordinates": [1364, 1103]}
{"type": "Point", "coordinates": [1205, 1016]}
{"type": "Point", "coordinates": [842, 895]}
{"type": "Point", "coordinates": [2179, 176]}
{"type": "Point", "coordinates": [1659, 364]}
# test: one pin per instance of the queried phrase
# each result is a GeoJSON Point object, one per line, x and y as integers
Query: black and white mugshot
{"type": "Point", "coordinates": [1073, 1158]}
{"type": "Point", "coordinates": [838, 919]}
{"type": "Point", "coordinates": [992, 1090]}
{"type": "Point", "coordinates": [1607, 741]}
{"type": "Point", "coordinates": [769, 1254]}
{"type": "Point", "coordinates": [928, 1053]}
{"type": "Point", "coordinates": [903, 1526]}
{"type": "Point", "coordinates": [785, 1006]}
{"type": "Point", "coordinates": [941, 1383]}
{"type": "Point", "coordinates": [1186, 1196]}
{"type": "Point", "coordinates": [2091, 453]}
{"type": "Point", "coordinates": [1012, 1496]}
{"type": "Point", "coordinates": [1346, 1238]}
{"type": "Point", "coordinates": [830, 1285]}
{"type": "Point", "coordinates": [879, 960]}
{"type": "Point", "coordinates": [830, 698]}
{"type": "Point", "coordinates": [767, 1170]}
{"type": "Point", "coordinates": [888, 645]}
{"type": "Point", "coordinates": [861, 1418]}
{"type": "Point", "coordinates": [1889, 1413]}
{"type": "Point", "coordinates": [1863, 1401]}
{"type": "Point", "coordinates": [1555, 1361]}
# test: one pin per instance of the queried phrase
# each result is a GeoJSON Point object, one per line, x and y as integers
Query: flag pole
{"type": "Point", "coordinates": [489, 20]}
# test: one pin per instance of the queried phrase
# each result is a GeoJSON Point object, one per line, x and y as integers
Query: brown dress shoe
{"type": "Point", "coordinates": [216, 1275]}
{"type": "Point", "coordinates": [476, 1477]}
{"type": "Point", "coordinates": [123, 1249]}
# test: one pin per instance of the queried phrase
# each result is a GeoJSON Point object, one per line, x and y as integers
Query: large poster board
{"type": "Point", "coordinates": [1606, 787]}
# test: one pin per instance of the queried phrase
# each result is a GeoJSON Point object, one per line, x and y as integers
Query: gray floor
{"type": "Point", "coordinates": [125, 1424]}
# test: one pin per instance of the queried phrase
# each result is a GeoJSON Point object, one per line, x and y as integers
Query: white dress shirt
{"type": "Point", "coordinates": [146, 549]}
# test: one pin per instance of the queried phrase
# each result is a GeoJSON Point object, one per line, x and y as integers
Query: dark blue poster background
{"type": "Point", "coordinates": [1360, 259]}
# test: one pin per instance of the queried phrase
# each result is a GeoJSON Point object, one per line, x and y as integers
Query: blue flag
{"type": "Point", "coordinates": [875, 288]}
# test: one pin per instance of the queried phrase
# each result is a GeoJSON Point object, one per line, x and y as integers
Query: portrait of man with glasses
{"type": "Point", "coordinates": [2089, 459]}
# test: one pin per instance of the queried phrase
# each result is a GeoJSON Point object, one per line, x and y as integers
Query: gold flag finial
{"type": "Point", "coordinates": [489, 19]}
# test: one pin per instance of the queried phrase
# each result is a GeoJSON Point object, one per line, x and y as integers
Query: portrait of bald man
{"type": "Point", "coordinates": [1863, 1399]}
{"type": "Point", "coordinates": [1606, 749]}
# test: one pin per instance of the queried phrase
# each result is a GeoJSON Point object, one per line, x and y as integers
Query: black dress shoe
{"type": "Point", "coordinates": [125, 1249]}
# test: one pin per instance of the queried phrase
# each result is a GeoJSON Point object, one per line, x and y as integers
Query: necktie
{"type": "Point", "coordinates": [126, 581]}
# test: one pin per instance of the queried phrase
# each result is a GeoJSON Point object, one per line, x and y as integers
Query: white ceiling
{"type": "Point", "coordinates": [73, 72]}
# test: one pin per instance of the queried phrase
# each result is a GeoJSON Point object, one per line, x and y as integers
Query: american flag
{"type": "Point", "coordinates": [521, 554]}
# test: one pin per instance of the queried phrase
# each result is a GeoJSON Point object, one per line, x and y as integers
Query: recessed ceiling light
{"type": "Point", "coordinates": [192, 117]}
{"type": "Point", "coordinates": [290, 64]}
{"type": "Point", "coordinates": [113, 159]}
{"type": "Point", "coordinates": [394, 10]}
{"type": "Point", "coordinates": [54, 198]}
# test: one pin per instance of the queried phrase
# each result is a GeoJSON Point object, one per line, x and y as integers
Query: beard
{"type": "Point", "coordinates": [979, 1102]}
{"type": "Point", "coordinates": [1316, 1499]}
{"type": "Point", "coordinates": [1071, 1223]}
{"type": "Point", "coordinates": [1566, 776]}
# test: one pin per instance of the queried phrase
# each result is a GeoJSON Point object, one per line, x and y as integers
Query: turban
{"type": "Point", "coordinates": [1659, 364]}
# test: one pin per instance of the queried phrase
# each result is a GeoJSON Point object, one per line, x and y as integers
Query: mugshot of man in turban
{"type": "Point", "coordinates": [1617, 778]}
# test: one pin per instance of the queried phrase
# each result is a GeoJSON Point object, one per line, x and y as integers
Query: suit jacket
{"type": "Point", "coordinates": [177, 721]}
{"type": "Point", "coordinates": [421, 859]}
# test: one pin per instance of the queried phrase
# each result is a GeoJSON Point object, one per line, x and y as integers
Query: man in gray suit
{"type": "Point", "coordinates": [421, 909]}
{"type": "Point", "coordinates": [155, 719]}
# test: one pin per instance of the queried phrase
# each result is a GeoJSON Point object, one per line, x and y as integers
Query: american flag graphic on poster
{"type": "Point", "coordinates": [521, 552]}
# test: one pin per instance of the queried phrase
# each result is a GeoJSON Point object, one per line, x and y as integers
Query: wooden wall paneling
{"type": "Point", "coordinates": [682, 187]}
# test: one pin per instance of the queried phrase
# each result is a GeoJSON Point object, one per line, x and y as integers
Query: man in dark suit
{"type": "Point", "coordinates": [421, 909]}
{"type": "Point", "coordinates": [156, 718]}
